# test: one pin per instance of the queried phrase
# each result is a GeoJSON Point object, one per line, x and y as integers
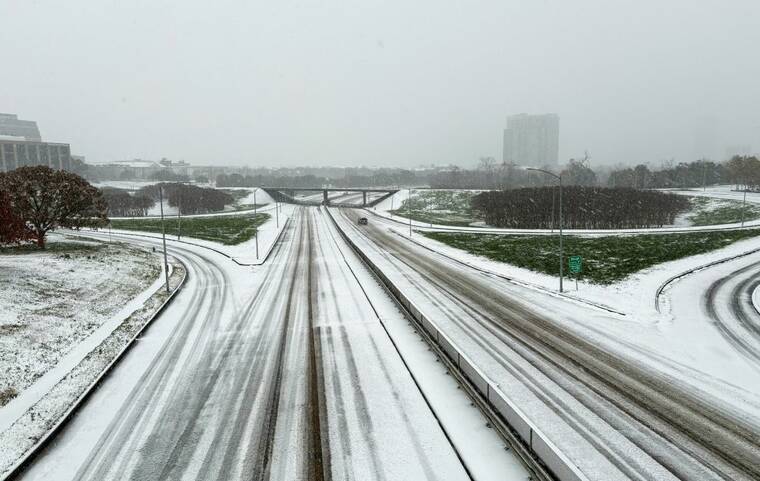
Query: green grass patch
{"type": "Point", "coordinates": [713, 211]}
{"type": "Point", "coordinates": [227, 230]}
{"type": "Point", "coordinates": [432, 217]}
{"type": "Point", "coordinates": [54, 247]}
{"type": "Point", "coordinates": [443, 207]}
{"type": "Point", "coordinates": [605, 259]}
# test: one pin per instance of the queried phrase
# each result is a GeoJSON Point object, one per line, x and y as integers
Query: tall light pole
{"type": "Point", "coordinates": [163, 234]}
{"type": "Point", "coordinates": [179, 211]}
{"type": "Point", "coordinates": [256, 232]}
{"type": "Point", "coordinates": [559, 178]}
{"type": "Point", "coordinates": [409, 201]}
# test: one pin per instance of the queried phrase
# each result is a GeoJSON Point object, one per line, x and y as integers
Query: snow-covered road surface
{"type": "Point", "coordinates": [615, 416]}
{"type": "Point", "coordinates": [281, 371]}
{"type": "Point", "coordinates": [728, 301]}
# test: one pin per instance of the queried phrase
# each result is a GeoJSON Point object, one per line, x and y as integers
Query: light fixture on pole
{"type": "Point", "coordinates": [559, 178]}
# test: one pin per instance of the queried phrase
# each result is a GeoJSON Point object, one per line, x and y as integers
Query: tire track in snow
{"type": "Point", "coordinates": [743, 331]}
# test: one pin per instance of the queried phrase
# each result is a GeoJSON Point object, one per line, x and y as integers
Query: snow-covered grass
{"type": "Point", "coordinates": [605, 259]}
{"type": "Point", "coordinates": [227, 230]}
{"type": "Point", "coordinates": [443, 207]}
{"type": "Point", "coordinates": [51, 300]}
{"type": "Point", "coordinates": [706, 211]}
{"type": "Point", "coordinates": [45, 403]}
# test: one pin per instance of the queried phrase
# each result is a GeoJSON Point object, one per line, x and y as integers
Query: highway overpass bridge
{"type": "Point", "coordinates": [289, 195]}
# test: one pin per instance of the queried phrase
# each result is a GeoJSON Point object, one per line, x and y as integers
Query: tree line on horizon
{"type": "Point", "coordinates": [380, 178]}
{"type": "Point", "coordinates": [741, 171]}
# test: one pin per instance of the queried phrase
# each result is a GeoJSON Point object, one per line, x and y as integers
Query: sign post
{"type": "Point", "coordinates": [575, 264]}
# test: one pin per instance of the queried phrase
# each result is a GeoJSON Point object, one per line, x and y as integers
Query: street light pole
{"type": "Point", "coordinates": [256, 232]}
{"type": "Point", "coordinates": [179, 212]}
{"type": "Point", "coordinates": [409, 201]}
{"type": "Point", "coordinates": [561, 264]}
{"type": "Point", "coordinates": [744, 204]}
{"type": "Point", "coordinates": [163, 234]}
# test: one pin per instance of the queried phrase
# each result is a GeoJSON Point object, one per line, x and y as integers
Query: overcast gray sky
{"type": "Point", "coordinates": [396, 83]}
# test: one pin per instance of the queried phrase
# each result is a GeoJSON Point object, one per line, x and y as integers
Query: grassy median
{"type": "Point", "coordinates": [442, 207]}
{"type": "Point", "coordinates": [713, 211]}
{"type": "Point", "coordinates": [605, 259]}
{"type": "Point", "coordinates": [227, 230]}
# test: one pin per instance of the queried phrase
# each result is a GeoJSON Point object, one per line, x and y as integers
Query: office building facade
{"type": "Point", "coordinates": [20, 153]}
{"type": "Point", "coordinates": [532, 140]}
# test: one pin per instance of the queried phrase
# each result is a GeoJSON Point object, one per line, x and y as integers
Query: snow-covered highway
{"type": "Point", "coordinates": [282, 371]}
{"type": "Point", "coordinates": [614, 414]}
{"type": "Point", "coordinates": [305, 368]}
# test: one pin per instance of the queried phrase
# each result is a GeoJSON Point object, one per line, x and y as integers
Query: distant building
{"type": "Point", "coordinates": [21, 145]}
{"type": "Point", "coordinates": [11, 126]}
{"type": "Point", "coordinates": [16, 152]}
{"type": "Point", "coordinates": [141, 169]}
{"type": "Point", "coordinates": [532, 140]}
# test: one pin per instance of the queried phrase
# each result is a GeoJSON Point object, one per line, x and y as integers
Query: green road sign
{"type": "Point", "coordinates": [575, 263]}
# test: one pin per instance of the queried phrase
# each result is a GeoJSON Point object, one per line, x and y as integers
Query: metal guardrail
{"type": "Point", "coordinates": [538, 443]}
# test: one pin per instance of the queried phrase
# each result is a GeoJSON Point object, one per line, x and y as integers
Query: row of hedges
{"type": "Point", "coordinates": [122, 203]}
{"type": "Point", "coordinates": [583, 208]}
{"type": "Point", "coordinates": [190, 199]}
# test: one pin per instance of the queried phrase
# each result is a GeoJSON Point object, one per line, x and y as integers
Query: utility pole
{"type": "Point", "coordinates": [704, 175]}
{"type": "Point", "coordinates": [559, 178]}
{"type": "Point", "coordinates": [744, 205]}
{"type": "Point", "coordinates": [163, 235]}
